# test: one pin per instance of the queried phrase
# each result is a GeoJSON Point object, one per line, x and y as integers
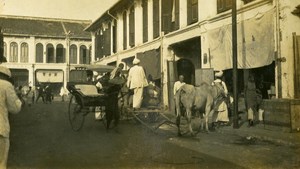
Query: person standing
{"type": "Point", "coordinates": [30, 96]}
{"type": "Point", "coordinates": [9, 103]}
{"type": "Point", "coordinates": [137, 81]}
{"type": "Point", "coordinates": [179, 83]}
{"type": "Point", "coordinates": [251, 100]}
{"type": "Point", "coordinates": [221, 105]}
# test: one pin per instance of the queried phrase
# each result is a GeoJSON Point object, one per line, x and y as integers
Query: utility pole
{"type": "Point", "coordinates": [2, 58]}
{"type": "Point", "coordinates": [234, 66]}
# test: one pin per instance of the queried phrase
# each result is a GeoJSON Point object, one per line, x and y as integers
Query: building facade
{"type": "Point", "coordinates": [194, 38]}
{"type": "Point", "coordinates": [44, 50]}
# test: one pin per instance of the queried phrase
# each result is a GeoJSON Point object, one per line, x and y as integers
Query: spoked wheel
{"type": "Point", "coordinates": [76, 115]}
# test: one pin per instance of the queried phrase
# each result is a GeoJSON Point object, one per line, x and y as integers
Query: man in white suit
{"type": "Point", "coordinates": [137, 81]}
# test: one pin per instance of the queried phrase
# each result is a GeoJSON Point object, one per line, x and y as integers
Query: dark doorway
{"type": "Point", "coordinates": [186, 68]}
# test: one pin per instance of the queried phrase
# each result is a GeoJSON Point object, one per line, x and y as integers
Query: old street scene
{"type": "Point", "coordinates": [150, 84]}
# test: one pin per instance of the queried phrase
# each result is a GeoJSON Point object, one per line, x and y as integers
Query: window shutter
{"type": "Point", "coordinates": [145, 20]}
{"type": "Point", "coordinates": [107, 41]}
{"type": "Point", "coordinates": [167, 6]}
{"type": "Point", "coordinates": [131, 27]}
{"type": "Point", "coordinates": [155, 18]}
{"type": "Point", "coordinates": [124, 30]}
{"type": "Point", "coordinates": [176, 26]}
{"type": "Point", "coordinates": [114, 40]}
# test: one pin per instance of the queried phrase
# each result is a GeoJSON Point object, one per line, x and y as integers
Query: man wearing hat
{"type": "Point", "coordinates": [221, 106]}
{"type": "Point", "coordinates": [9, 103]}
{"type": "Point", "coordinates": [137, 81]}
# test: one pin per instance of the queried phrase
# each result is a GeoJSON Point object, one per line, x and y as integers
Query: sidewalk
{"type": "Point", "coordinates": [265, 133]}
{"type": "Point", "coordinates": [275, 134]}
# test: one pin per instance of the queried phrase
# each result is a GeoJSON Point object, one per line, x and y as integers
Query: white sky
{"type": "Point", "coordinates": [68, 9]}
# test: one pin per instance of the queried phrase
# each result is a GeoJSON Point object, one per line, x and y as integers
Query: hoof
{"type": "Point", "coordinates": [193, 134]}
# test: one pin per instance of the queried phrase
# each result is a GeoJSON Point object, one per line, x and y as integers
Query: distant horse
{"type": "Point", "coordinates": [189, 99]}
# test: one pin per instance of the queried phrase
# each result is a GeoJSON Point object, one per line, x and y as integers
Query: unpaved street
{"type": "Point", "coordinates": [41, 137]}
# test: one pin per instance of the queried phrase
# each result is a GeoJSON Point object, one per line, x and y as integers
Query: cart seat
{"type": "Point", "coordinates": [89, 90]}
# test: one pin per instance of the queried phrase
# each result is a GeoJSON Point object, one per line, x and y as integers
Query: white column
{"type": "Point", "coordinates": [138, 23]}
{"type": "Point", "coordinates": [150, 20]}
{"type": "Point", "coordinates": [127, 29]}
{"type": "Point", "coordinates": [31, 50]}
{"type": "Point", "coordinates": [183, 13]}
{"type": "Point", "coordinates": [78, 54]}
{"type": "Point", "coordinates": [93, 47]}
{"type": "Point", "coordinates": [44, 52]}
{"type": "Point", "coordinates": [120, 32]}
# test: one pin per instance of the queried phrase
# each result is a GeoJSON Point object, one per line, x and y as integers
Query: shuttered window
{"type": "Point", "coordinates": [170, 15]}
{"type": "Point", "coordinates": [145, 20]}
{"type": "Point", "coordinates": [73, 54]}
{"type": "Point", "coordinates": [107, 40]}
{"type": "Point", "coordinates": [131, 27]}
{"type": "Point", "coordinates": [99, 44]}
{"type": "Point", "coordinates": [192, 9]}
{"type": "Point", "coordinates": [155, 18]}
{"type": "Point", "coordinates": [39, 52]}
{"type": "Point", "coordinates": [24, 53]}
{"type": "Point", "coordinates": [124, 30]}
{"type": "Point", "coordinates": [13, 57]}
{"type": "Point", "coordinates": [114, 37]}
{"type": "Point", "coordinates": [223, 5]}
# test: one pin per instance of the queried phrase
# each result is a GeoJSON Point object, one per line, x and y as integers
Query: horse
{"type": "Point", "coordinates": [196, 99]}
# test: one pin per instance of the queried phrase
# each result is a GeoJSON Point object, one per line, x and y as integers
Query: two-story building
{"type": "Point", "coordinates": [194, 37]}
{"type": "Point", "coordinates": [44, 50]}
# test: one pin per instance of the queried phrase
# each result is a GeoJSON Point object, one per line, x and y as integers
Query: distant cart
{"type": "Point", "coordinates": [86, 98]}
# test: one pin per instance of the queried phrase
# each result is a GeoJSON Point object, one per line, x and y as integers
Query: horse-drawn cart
{"type": "Point", "coordinates": [86, 98]}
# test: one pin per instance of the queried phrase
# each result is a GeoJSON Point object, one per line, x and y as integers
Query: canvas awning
{"type": "Point", "coordinates": [255, 38]}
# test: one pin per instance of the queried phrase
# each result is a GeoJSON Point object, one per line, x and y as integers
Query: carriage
{"type": "Point", "coordinates": [87, 98]}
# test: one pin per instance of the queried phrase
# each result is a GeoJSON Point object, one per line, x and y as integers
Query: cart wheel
{"type": "Point", "coordinates": [76, 116]}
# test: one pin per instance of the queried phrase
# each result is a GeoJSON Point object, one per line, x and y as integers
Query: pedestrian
{"type": "Point", "coordinates": [40, 93]}
{"type": "Point", "coordinates": [137, 81]}
{"type": "Point", "coordinates": [48, 93]}
{"type": "Point", "coordinates": [251, 100]}
{"type": "Point", "coordinates": [30, 96]}
{"type": "Point", "coordinates": [9, 103]}
{"type": "Point", "coordinates": [178, 84]}
{"type": "Point", "coordinates": [62, 93]}
{"type": "Point", "coordinates": [221, 107]}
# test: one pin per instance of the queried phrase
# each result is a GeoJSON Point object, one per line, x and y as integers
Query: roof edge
{"type": "Point", "coordinates": [45, 19]}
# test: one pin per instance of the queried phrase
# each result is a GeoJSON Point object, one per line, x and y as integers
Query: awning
{"type": "Point", "coordinates": [50, 76]}
{"type": "Point", "coordinates": [150, 60]}
{"type": "Point", "coordinates": [255, 43]}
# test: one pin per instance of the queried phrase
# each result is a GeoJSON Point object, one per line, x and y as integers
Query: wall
{"type": "Point", "coordinates": [288, 23]}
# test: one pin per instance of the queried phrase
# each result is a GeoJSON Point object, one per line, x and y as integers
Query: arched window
{"type": "Point", "coordinates": [13, 57]}
{"type": "Point", "coordinates": [83, 55]}
{"type": "Point", "coordinates": [24, 53]}
{"type": "Point", "coordinates": [73, 54]}
{"type": "Point", "coordinates": [4, 50]}
{"type": "Point", "coordinates": [39, 53]}
{"type": "Point", "coordinates": [60, 54]}
{"type": "Point", "coordinates": [50, 54]}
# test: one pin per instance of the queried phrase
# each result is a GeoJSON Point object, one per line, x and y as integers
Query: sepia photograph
{"type": "Point", "coordinates": [149, 84]}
